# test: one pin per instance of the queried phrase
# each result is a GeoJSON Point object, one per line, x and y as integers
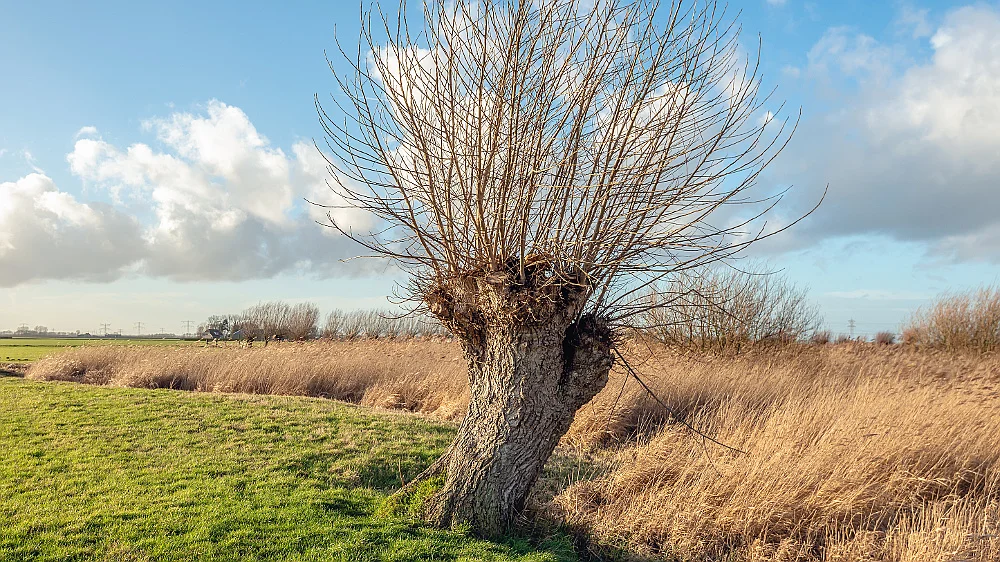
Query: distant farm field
{"type": "Point", "coordinates": [27, 350]}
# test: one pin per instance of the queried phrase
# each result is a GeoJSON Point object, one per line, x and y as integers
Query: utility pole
{"type": "Point", "coordinates": [138, 328]}
{"type": "Point", "coordinates": [105, 327]}
{"type": "Point", "coordinates": [850, 324]}
{"type": "Point", "coordinates": [187, 326]}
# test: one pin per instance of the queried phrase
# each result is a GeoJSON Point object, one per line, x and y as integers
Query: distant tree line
{"type": "Point", "coordinates": [367, 324]}
{"type": "Point", "coordinates": [278, 320]}
{"type": "Point", "coordinates": [709, 310]}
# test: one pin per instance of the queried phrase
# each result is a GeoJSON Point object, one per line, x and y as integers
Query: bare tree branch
{"type": "Point", "coordinates": [601, 137]}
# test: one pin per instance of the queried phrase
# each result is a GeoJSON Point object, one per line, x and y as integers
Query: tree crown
{"type": "Point", "coordinates": [590, 143]}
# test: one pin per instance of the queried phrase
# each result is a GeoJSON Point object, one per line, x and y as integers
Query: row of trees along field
{"type": "Point", "coordinates": [302, 321]}
{"type": "Point", "coordinates": [266, 321]}
{"type": "Point", "coordinates": [711, 310]}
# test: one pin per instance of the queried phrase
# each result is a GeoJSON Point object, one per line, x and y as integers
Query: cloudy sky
{"type": "Point", "coordinates": [155, 159]}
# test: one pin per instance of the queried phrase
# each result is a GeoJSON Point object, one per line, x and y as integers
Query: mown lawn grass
{"type": "Point", "coordinates": [27, 350]}
{"type": "Point", "coordinates": [128, 474]}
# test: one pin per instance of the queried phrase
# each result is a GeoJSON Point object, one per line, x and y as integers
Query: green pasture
{"type": "Point", "coordinates": [95, 473]}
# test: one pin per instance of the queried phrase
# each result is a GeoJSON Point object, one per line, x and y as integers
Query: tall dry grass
{"type": "Point", "coordinates": [419, 376]}
{"type": "Point", "coordinates": [854, 452]}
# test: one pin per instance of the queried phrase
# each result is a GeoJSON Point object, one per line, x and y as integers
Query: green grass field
{"type": "Point", "coordinates": [92, 473]}
{"type": "Point", "coordinates": [26, 350]}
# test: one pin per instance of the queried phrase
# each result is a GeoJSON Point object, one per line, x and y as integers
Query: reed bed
{"type": "Point", "coordinates": [851, 451]}
{"type": "Point", "coordinates": [418, 376]}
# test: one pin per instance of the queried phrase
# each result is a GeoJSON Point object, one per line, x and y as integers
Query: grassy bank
{"type": "Point", "coordinates": [122, 474]}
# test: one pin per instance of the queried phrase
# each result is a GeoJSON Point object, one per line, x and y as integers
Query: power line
{"type": "Point", "coordinates": [850, 324]}
{"type": "Point", "coordinates": [187, 326]}
{"type": "Point", "coordinates": [138, 328]}
{"type": "Point", "coordinates": [105, 327]}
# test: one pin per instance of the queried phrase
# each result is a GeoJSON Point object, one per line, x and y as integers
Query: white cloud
{"type": "Point", "coordinates": [979, 244]}
{"type": "Point", "coordinates": [841, 52]}
{"type": "Point", "coordinates": [312, 171]}
{"type": "Point", "coordinates": [46, 233]}
{"type": "Point", "coordinates": [913, 152]}
{"type": "Point", "coordinates": [914, 21]}
{"type": "Point", "coordinates": [224, 144]}
{"type": "Point", "coordinates": [790, 71]}
{"type": "Point", "coordinates": [30, 160]}
{"type": "Point", "coordinates": [88, 131]}
{"type": "Point", "coordinates": [218, 203]}
{"type": "Point", "coordinates": [776, 2]}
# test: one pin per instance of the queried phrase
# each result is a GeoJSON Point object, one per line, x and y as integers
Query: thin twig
{"type": "Point", "coordinates": [673, 413]}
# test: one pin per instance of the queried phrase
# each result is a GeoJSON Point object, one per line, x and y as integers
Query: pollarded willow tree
{"type": "Point", "coordinates": [536, 166]}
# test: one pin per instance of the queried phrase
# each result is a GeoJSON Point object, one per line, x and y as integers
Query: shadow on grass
{"type": "Point", "coordinates": [13, 370]}
{"type": "Point", "coordinates": [410, 540]}
{"type": "Point", "coordinates": [534, 537]}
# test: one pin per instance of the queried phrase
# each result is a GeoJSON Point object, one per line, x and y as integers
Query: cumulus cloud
{"type": "Point", "coordinates": [216, 201]}
{"type": "Point", "coordinates": [913, 150]}
{"type": "Point", "coordinates": [47, 233]}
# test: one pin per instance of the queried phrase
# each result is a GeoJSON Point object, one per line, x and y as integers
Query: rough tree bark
{"type": "Point", "coordinates": [534, 360]}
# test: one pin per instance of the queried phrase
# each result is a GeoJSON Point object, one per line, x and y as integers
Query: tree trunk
{"type": "Point", "coordinates": [527, 380]}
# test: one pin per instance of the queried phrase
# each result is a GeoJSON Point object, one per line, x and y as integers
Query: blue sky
{"type": "Point", "coordinates": [900, 117]}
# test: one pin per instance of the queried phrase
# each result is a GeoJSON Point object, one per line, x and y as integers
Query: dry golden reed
{"type": "Point", "coordinates": [419, 376]}
{"type": "Point", "coordinates": [854, 451]}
